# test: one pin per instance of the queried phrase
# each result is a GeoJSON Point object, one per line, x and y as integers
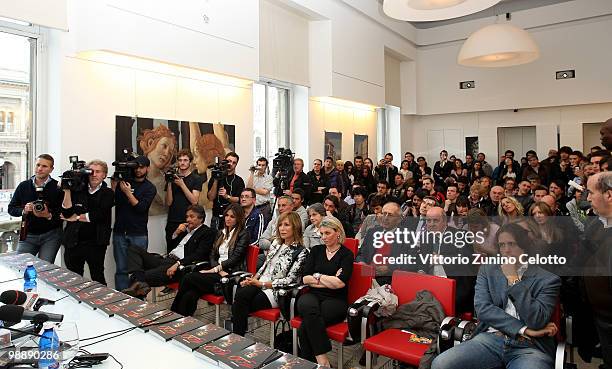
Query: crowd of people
{"type": "Point", "coordinates": [560, 206]}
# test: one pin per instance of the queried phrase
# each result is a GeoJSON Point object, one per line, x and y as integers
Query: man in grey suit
{"type": "Point", "coordinates": [514, 303]}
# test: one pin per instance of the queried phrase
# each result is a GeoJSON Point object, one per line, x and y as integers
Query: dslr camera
{"type": "Point", "coordinates": [40, 203]}
{"type": "Point", "coordinates": [124, 168]}
{"type": "Point", "coordinates": [219, 169]}
{"type": "Point", "coordinates": [76, 178]}
{"type": "Point", "coordinates": [171, 173]}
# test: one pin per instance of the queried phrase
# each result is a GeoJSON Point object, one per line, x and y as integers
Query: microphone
{"type": "Point", "coordinates": [16, 313]}
{"type": "Point", "coordinates": [28, 300]}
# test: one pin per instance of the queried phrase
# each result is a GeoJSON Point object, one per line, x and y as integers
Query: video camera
{"type": "Point", "coordinates": [75, 179]}
{"type": "Point", "coordinates": [219, 170]}
{"type": "Point", "coordinates": [282, 164]}
{"type": "Point", "coordinates": [124, 169]}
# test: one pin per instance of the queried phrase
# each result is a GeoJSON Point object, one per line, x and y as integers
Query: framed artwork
{"type": "Point", "coordinates": [471, 145]}
{"type": "Point", "coordinates": [161, 139]}
{"type": "Point", "coordinates": [361, 146]}
{"type": "Point", "coordinates": [333, 145]}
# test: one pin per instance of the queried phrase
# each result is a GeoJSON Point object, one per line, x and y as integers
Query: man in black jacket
{"type": "Point", "coordinates": [88, 227]}
{"type": "Point", "coordinates": [132, 202]}
{"type": "Point", "coordinates": [297, 179]}
{"type": "Point", "coordinates": [385, 170]}
{"type": "Point", "coordinates": [442, 168]}
{"type": "Point", "coordinates": [43, 225]}
{"type": "Point", "coordinates": [195, 241]}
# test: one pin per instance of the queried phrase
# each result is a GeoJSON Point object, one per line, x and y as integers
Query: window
{"type": "Point", "coordinates": [270, 119]}
{"type": "Point", "coordinates": [17, 81]}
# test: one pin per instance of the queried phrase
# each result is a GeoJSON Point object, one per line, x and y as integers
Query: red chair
{"type": "Point", "coordinates": [358, 286]}
{"type": "Point", "coordinates": [393, 343]}
{"type": "Point", "coordinates": [352, 244]}
{"type": "Point", "coordinates": [251, 264]}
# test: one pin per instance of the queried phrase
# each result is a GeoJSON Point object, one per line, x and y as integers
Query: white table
{"type": "Point", "coordinates": [135, 349]}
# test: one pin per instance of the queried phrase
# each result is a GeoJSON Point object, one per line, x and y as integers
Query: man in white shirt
{"type": "Point", "coordinates": [151, 270]}
{"type": "Point", "coordinates": [262, 183]}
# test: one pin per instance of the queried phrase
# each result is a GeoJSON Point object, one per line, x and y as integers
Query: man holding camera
{"type": "Point", "coordinates": [132, 202]}
{"type": "Point", "coordinates": [225, 190]}
{"type": "Point", "coordinates": [297, 179]}
{"type": "Point", "coordinates": [37, 200]}
{"type": "Point", "coordinates": [88, 228]}
{"type": "Point", "coordinates": [181, 192]}
{"type": "Point", "coordinates": [385, 168]}
{"type": "Point", "coordinates": [262, 183]}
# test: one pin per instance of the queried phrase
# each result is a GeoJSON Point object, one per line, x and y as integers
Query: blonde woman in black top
{"type": "Point", "coordinates": [327, 271]}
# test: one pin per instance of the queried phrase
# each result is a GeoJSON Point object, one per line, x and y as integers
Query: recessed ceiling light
{"type": "Point", "coordinates": [433, 10]}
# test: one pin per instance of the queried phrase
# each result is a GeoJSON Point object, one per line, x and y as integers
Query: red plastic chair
{"type": "Point", "coordinates": [358, 286]}
{"type": "Point", "coordinates": [352, 244]}
{"type": "Point", "coordinates": [251, 264]}
{"type": "Point", "coordinates": [393, 343]}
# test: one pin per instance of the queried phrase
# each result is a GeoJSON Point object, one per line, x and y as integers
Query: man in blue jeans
{"type": "Point", "coordinates": [43, 224]}
{"type": "Point", "coordinates": [514, 303]}
{"type": "Point", "coordinates": [132, 202]}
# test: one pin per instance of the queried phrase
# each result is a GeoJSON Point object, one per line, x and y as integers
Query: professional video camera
{"type": "Point", "coordinates": [282, 164]}
{"type": "Point", "coordinates": [219, 169]}
{"type": "Point", "coordinates": [124, 169]}
{"type": "Point", "coordinates": [75, 179]}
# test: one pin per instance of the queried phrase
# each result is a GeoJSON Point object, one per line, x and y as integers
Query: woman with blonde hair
{"type": "Point", "coordinates": [327, 271]}
{"type": "Point", "coordinates": [283, 266]}
{"type": "Point", "coordinates": [159, 145]}
{"type": "Point", "coordinates": [510, 209]}
{"type": "Point", "coordinates": [227, 256]}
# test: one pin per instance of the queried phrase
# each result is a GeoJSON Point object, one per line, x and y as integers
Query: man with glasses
{"type": "Point", "coordinates": [254, 220]}
{"type": "Point", "coordinates": [262, 183]}
{"type": "Point", "coordinates": [225, 191]}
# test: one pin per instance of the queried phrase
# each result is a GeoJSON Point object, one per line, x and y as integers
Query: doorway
{"type": "Point", "coordinates": [590, 136]}
{"type": "Point", "coordinates": [518, 139]}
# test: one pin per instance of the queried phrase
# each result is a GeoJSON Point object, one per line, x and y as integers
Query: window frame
{"type": "Point", "coordinates": [268, 84]}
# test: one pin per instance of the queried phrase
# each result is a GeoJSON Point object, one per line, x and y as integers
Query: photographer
{"type": "Point", "coordinates": [262, 183]}
{"type": "Point", "coordinates": [385, 169]}
{"type": "Point", "coordinates": [224, 189]}
{"type": "Point", "coordinates": [132, 202]}
{"type": "Point", "coordinates": [297, 179]}
{"type": "Point", "coordinates": [38, 200]}
{"type": "Point", "coordinates": [88, 228]}
{"type": "Point", "coordinates": [182, 190]}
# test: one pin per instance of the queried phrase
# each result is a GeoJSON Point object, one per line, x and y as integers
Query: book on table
{"type": "Point", "coordinates": [224, 346]}
{"type": "Point", "coordinates": [169, 330]}
{"type": "Point", "coordinates": [199, 337]}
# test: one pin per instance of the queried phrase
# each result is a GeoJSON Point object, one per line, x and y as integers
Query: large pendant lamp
{"type": "Point", "coordinates": [498, 45]}
{"type": "Point", "coordinates": [433, 10]}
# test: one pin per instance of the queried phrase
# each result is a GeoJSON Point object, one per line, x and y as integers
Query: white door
{"type": "Point", "coordinates": [518, 139]}
{"type": "Point", "coordinates": [590, 136]}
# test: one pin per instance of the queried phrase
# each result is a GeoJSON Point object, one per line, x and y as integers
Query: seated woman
{"type": "Point", "coordinates": [514, 303]}
{"type": "Point", "coordinates": [478, 221]}
{"type": "Point", "coordinates": [327, 271]}
{"type": "Point", "coordinates": [510, 210]}
{"type": "Point", "coordinates": [283, 266]}
{"type": "Point", "coordinates": [556, 239]}
{"type": "Point", "coordinates": [227, 256]}
{"type": "Point", "coordinates": [312, 235]}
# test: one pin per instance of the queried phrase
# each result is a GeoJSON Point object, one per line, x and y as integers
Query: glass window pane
{"type": "Point", "coordinates": [259, 121]}
{"type": "Point", "coordinates": [15, 126]}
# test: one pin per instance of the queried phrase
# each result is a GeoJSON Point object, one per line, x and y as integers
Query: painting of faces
{"type": "Point", "coordinates": [161, 139]}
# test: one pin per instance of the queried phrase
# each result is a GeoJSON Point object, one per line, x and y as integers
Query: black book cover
{"type": "Point", "coordinates": [107, 298]}
{"type": "Point", "coordinates": [288, 361]}
{"type": "Point", "coordinates": [92, 293]}
{"type": "Point", "coordinates": [158, 318]}
{"type": "Point", "coordinates": [223, 347]}
{"type": "Point", "coordinates": [200, 336]}
{"type": "Point", "coordinates": [44, 276]}
{"type": "Point", "coordinates": [172, 329]}
{"type": "Point", "coordinates": [75, 289]}
{"type": "Point", "coordinates": [122, 306]}
{"type": "Point", "coordinates": [70, 282]}
{"type": "Point", "coordinates": [132, 315]}
{"type": "Point", "coordinates": [252, 357]}
{"type": "Point", "coordinates": [61, 276]}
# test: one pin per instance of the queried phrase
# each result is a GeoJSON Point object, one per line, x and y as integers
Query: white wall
{"type": "Point", "coordinates": [161, 30]}
{"type": "Point", "coordinates": [577, 45]}
{"type": "Point", "coordinates": [91, 94]}
{"type": "Point", "coordinates": [283, 44]}
{"type": "Point", "coordinates": [334, 117]}
{"type": "Point", "coordinates": [393, 81]}
{"type": "Point", "coordinates": [484, 125]}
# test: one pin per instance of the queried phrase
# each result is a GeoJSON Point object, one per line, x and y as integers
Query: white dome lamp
{"type": "Point", "coordinates": [433, 10]}
{"type": "Point", "coordinates": [498, 45]}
